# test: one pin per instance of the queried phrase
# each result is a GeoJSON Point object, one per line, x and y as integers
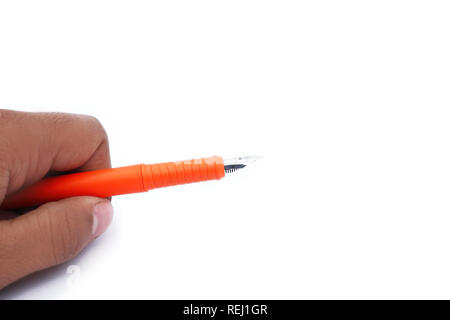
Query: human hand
{"type": "Point", "coordinates": [32, 146]}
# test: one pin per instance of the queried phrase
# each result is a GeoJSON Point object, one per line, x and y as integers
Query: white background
{"type": "Point", "coordinates": [348, 102]}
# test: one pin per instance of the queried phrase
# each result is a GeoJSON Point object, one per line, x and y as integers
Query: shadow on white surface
{"type": "Point", "coordinates": [55, 281]}
{"type": "Point", "coordinates": [19, 289]}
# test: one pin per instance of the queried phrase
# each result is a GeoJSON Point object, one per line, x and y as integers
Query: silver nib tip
{"type": "Point", "coordinates": [231, 165]}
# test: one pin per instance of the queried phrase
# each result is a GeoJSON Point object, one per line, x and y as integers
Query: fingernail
{"type": "Point", "coordinates": [103, 213]}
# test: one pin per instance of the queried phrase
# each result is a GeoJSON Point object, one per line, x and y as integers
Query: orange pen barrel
{"type": "Point", "coordinates": [115, 181]}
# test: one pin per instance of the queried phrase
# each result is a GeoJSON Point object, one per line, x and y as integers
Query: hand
{"type": "Point", "coordinates": [32, 146]}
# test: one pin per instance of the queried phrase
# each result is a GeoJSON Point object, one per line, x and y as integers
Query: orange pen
{"type": "Point", "coordinates": [116, 181]}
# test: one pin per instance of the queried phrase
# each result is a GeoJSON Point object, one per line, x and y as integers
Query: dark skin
{"type": "Point", "coordinates": [33, 146]}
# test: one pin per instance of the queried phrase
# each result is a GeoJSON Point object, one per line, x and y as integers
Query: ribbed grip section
{"type": "Point", "coordinates": [181, 172]}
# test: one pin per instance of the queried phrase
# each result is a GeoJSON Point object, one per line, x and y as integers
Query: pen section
{"type": "Point", "coordinates": [115, 181]}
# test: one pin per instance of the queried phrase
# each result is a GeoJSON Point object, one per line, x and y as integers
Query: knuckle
{"type": "Point", "coordinates": [63, 240]}
{"type": "Point", "coordinates": [7, 247]}
{"type": "Point", "coordinates": [4, 243]}
{"type": "Point", "coordinates": [96, 127]}
{"type": "Point", "coordinates": [4, 181]}
{"type": "Point", "coordinates": [81, 122]}
{"type": "Point", "coordinates": [59, 118]}
{"type": "Point", "coordinates": [7, 119]}
{"type": "Point", "coordinates": [7, 115]}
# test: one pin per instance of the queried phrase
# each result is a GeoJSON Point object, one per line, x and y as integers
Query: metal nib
{"type": "Point", "coordinates": [231, 165]}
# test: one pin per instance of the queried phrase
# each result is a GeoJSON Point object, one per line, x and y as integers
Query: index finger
{"type": "Point", "coordinates": [33, 144]}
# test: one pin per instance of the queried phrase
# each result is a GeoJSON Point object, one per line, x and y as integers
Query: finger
{"type": "Point", "coordinates": [50, 235]}
{"type": "Point", "coordinates": [32, 144]}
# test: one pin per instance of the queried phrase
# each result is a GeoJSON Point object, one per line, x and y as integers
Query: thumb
{"type": "Point", "coordinates": [52, 234]}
